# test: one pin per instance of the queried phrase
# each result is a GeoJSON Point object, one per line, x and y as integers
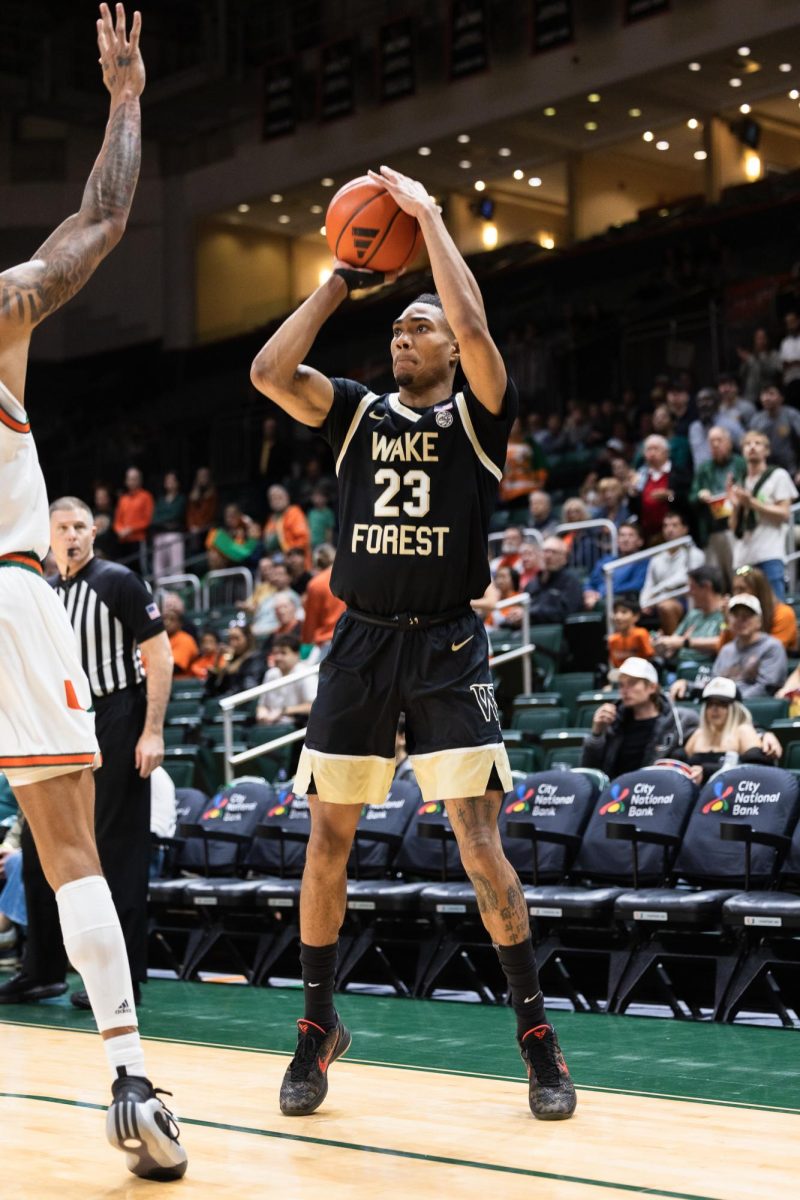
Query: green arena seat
{"type": "Point", "coordinates": [534, 721]}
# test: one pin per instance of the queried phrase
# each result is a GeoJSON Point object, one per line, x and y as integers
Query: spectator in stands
{"type": "Point", "coordinates": [322, 608]}
{"type": "Point", "coordinates": [731, 402]}
{"type": "Point", "coordinates": [777, 618]}
{"type": "Point", "coordinates": [262, 588]}
{"type": "Point", "coordinates": [134, 512]}
{"type": "Point", "coordinates": [612, 503]}
{"type": "Point", "coordinates": [294, 699]}
{"type": "Point", "coordinates": [504, 585]}
{"type": "Point", "coordinates": [201, 509]}
{"type": "Point", "coordinates": [790, 359]}
{"type": "Point", "coordinates": [241, 666]}
{"type": "Point", "coordinates": [696, 640]}
{"type": "Point", "coordinates": [553, 439]}
{"type": "Point", "coordinates": [655, 488]}
{"type": "Point", "coordinates": [299, 577]}
{"type": "Point", "coordinates": [760, 515]}
{"type": "Point", "coordinates": [641, 727]}
{"type": "Point", "coordinates": [183, 646]}
{"type": "Point", "coordinates": [782, 427]}
{"type": "Point", "coordinates": [289, 615]}
{"type": "Point", "coordinates": [286, 525]}
{"type": "Point", "coordinates": [105, 542]}
{"type": "Point", "coordinates": [761, 367]}
{"type": "Point", "coordinates": [235, 543]}
{"type": "Point", "coordinates": [726, 734]}
{"type": "Point", "coordinates": [668, 572]}
{"type": "Point", "coordinates": [525, 467]}
{"type": "Point", "coordinates": [680, 407]}
{"type": "Point", "coordinates": [264, 620]}
{"type": "Point", "coordinates": [628, 640]}
{"type": "Point", "coordinates": [169, 522]}
{"type": "Point", "coordinates": [708, 497]}
{"type": "Point", "coordinates": [556, 591]}
{"type": "Point", "coordinates": [583, 544]}
{"type": "Point", "coordinates": [708, 416]}
{"type": "Point", "coordinates": [13, 912]}
{"type": "Point", "coordinates": [540, 513]}
{"type": "Point", "coordinates": [530, 562]}
{"type": "Point", "coordinates": [211, 651]}
{"type": "Point", "coordinates": [679, 453]}
{"type": "Point", "coordinates": [627, 580]}
{"type": "Point", "coordinates": [509, 550]}
{"type": "Point", "coordinates": [754, 659]}
{"type": "Point", "coordinates": [321, 519]}
{"type": "Point", "coordinates": [173, 602]}
{"type": "Point", "coordinates": [275, 453]}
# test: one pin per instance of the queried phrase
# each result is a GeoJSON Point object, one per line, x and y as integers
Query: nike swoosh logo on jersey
{"type": "Point", "coordinates": [458, 645]}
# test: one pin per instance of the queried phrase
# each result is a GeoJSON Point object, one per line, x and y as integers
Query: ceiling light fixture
{"type": "Point", "coordinates": [276, 197]}
{"type": "Point", "coordinates": [692, 123]}
{"type": "Point", "coordinates": [662, 145]}
{"type": "Point", "coordinates": [547, 241]}
{"type": "Point", "coordinates": [322, 230]}
{"type": "Point", "coordinates": [648, 135]}
{"type": "Point", "coordinates": [593, 97]}
{"type": "Point", "coordinates": [243, 208]}
{"type": "Point", "coordinates": [463, 139]}
{"type": "Point", "coordinates": [744, 108]}
{"type": "Point", "coordinates": [785, 67]}
{"type": "Point", "coordinates": [465, 164]}
{"type": "Point", "coordinates": [316, 209]}
{"type": "Point", "coordinates": [695, 66]}
{"type": "Point", "coordinates": [519, 174]}
{"type": "Point", "coordinates": [424, 151]}
{"type": "Point", "coordinates": [504, 152]}
{"type": "Point", "coordinates": [735, 82]}
{"type": "Point", "coordinates": [700, 155]}
{"type": "Point", "coordinates": [489, 235]}
{"type": "Point", "coordinates": [284, 219]}
{"type": "Point", "coordinates": [590, 126]}
{"type": "Point", "coordinates": [752, 166]}
{"type": "Point", "coordinates": [794, 94]}
{"type": "Point", "coordinates": [743, 51]}
{"type": "Point", "coordinates": [634, 112]}
{"type": "Point", "coordinates": [327, 181]}
{"type": "Point", "coordinates": [534, 181]}
{"type": "Point", "coordinates": [549, 111]}
{"type": "Point", "coordinates": [479, 185]}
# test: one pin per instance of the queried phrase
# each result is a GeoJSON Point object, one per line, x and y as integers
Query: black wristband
{"type": "Point", "coordinates": [354, 277]}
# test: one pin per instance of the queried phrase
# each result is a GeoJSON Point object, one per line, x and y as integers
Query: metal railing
{"type": "Point", "coordinates": [168, 583]}
{"type": "Point", "coordinates": [229, 703]}
{"type": "Point", "coordinates": [528, 535]}
{"type": "Point", "coordinates": [601, 523]}
{"type": "Point", "coordinates": [638, 556]}
{"type": "Point", "coordinates": [792, 553]}
{"type": "Point", "coordinates": [225, 574]}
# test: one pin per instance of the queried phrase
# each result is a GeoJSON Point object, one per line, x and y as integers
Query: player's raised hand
{"type": "Point", "coordinates": [408, 194]}
{"type": "Point", "coordinates": [120, 59]}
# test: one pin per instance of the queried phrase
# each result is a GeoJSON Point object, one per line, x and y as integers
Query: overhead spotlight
{"type": "Point", "coordinates": [700, 155]}
{"type": "Point", "coordinates": [479, 185]}
{"type": "Point", "coordinates": [593, 97]}
{"type": "Point", "coordinates": [463, 139]}
{"type": "Point", "coordinates": [752, 166]}
{"type": "Point", "coordinates": [519, 174]}
{"type": "Point", "coordinates": [692, 123]}
{"type": "Point", "coordinates": [504, 152]}
{"type": "Point", "coordinates": [735, 82]}
{"type": "Point", "coordinates": [695, 66]}
{"type": "Point", "coordinates": [243, 208]}
{"type": "Point", "coordinates": [590, 126]}
{"type": "Point", "coordinates": [785, 67]}
{"type": "Point", "coordinates": [744, 108]}
{"type": "Point", "coordinates": [634, 112]}
{"type": "Point", "coordinates": [547, 241]}
{"type": "Point", "coordinates": [662, 145]}
{"type": "Point", "coordinates": [794, 94]}
{"type": "Point", "coordinates": [549, 111]}
{"type": "Point", "coordinates": [534, 181]}
{"type": "Point", "coordinates": [465, 164]}
{"type": "Point", "coordinates": [316, 209]}
{"type": "Point", "coordinates": [424, 151]}
{"type": "Point", "coordinates": [743, 51]}
{"type": "Point", "coordinates": [489, 235]}
{"type": "Point", "coordinates": [276, 198]}
{"type": "Point", "coordinates": [322, 230]}
{"type": "Point", "coordinates": [284, 219]}
{"type": "Point", "coordinates": [327, 181]}
{"type": "Point", "coordinates": [648, 135]}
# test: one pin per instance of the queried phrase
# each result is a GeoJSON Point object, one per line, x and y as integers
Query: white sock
{"type": "Point", "coordinates": [96, 948]}
{"type": "Point", "coordinates": [125, 1050]}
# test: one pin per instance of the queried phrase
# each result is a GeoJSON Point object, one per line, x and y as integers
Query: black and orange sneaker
{"type": "Point", "coordinates": [305, 1084]}
{"type": "Point", "coordinates": [551, 1092]}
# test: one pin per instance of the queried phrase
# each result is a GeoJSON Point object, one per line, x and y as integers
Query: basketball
{"type": "Point", "coordinates": [365, 228]}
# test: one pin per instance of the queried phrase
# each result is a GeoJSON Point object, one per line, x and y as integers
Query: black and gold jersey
{"type": "Point", "coordinates": [417, 487]}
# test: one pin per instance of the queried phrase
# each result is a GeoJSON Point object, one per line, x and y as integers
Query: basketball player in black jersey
{"type": "Point", "coordinates": [418, 472]}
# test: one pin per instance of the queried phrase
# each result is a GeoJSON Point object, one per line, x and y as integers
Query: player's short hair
{"type": "Point", "coordinates": [290, 641]}
{"type": "Point", "coordinates": [72, 504]}
{"type": "Point", "coordinates": [433, 300]}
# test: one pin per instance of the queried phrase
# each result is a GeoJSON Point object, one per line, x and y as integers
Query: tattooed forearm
{"type": "Point", "coordinates": [110, 187]}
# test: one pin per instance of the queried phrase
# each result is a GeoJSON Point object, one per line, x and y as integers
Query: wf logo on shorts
{"type": "Point", "coordinates": [617, 802]}
{"type": "Point", "coordinates": [484, 694]}
{"type": "Point", "coordinates": [719, 803]}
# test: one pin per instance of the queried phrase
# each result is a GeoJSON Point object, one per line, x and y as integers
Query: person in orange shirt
{"type": "Point", "coordinates": [286, 525]}
{"type": "Point", "coordinates": [182, 644]}
{"type": "Point", "coordinates": [628, 639]}
{"type": "Point", "coordinates": [211, 652]}
{"type": "Point", "coordinates": [134, 512]}
{"type": "Point", "coordinates": [321, 607]}
{"type": "Point", "coordinates": [777, 618]}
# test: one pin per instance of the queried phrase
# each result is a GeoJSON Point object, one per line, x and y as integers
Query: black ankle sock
{"type": "Point", "coordinates": [319, 972]}
{"type": "Point", "coordinates": [519, 964]}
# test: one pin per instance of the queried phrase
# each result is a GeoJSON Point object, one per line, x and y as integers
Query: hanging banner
{"type": "Point", "coordinates": [396, 60]}
{"type": "Point", "coordinates": [336, 87]}
{"type": "Point", "coordinates": [552, 24]}
{"type": "Point", "coordinates": [637, 10]}
{"type": "Point", "coordinates": [468, 51]}
{"type": "Point", "coordinates": [280, 99]}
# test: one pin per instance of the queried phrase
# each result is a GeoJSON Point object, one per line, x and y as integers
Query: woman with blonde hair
{"type": "Point", "coordinates": [777, 618]}
{"type": "Point", "coordinates": [726, 734]}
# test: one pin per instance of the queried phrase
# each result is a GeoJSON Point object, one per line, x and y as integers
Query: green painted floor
{"type": "Point", "coordinates": [719, 1063]}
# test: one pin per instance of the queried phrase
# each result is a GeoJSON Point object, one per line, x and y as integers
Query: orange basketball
{"type": "Point", "coordinates": [365, 228]}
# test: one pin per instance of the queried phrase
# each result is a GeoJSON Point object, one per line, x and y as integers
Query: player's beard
{"type": "Point", "coordinates": [404, 379]}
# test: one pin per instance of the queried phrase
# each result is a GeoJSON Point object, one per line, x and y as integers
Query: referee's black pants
{"type": "Point", "coordinates": [122, 828]}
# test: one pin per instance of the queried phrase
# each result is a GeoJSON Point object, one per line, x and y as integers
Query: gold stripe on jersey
{"type": "Point", "coordinates": [363, 405]}
{"type": "Point", "coordinates": [402, 411]}
{"type": "Point", "coordinates": [469, 429]}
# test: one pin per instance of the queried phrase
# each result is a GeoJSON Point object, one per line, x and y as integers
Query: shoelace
{"type": "Point", "coordinates": [304, 1057]}
{"type": "Point", "coordinates": [172, 1130]}
{"type": "Point", "coordinates": [542, 1055]}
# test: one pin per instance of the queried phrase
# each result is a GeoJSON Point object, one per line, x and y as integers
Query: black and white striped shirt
{"type": "Point", "coordinates": [111, 612]}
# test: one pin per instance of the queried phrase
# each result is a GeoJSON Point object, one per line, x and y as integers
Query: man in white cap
{"type": "Point", "coordinates": [755, 660]}
{"type": "Point", "coordinates": [642, 726]}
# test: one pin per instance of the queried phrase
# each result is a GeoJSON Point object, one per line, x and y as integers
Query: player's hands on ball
{"type": "Point", "coordinates": [408, 194]}
{"type": "Point", "coordinates": [120, 59]}
{"type": "Point", "coordinates": [362, 277]}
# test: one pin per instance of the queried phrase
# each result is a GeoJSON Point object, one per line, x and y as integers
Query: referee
{"type": "Point", "coordinates": [116, 622]}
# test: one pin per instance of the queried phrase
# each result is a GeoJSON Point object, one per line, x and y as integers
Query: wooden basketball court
{"type": "Point", "coordinates": [430, 1123]}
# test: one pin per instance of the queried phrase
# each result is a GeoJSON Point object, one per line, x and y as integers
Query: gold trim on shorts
{"type": "Point", "coordinates": [454, 774]}
{"type": "Point", "coordinates": [345, 778]}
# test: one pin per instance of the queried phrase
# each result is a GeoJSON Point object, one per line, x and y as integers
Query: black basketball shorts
{"type": "Point", "coordinates": [439, 677]}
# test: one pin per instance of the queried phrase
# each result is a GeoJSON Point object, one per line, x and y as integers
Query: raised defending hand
{"type": "Point", "coordinates": [408, 194]}
{"type": "Point", "coordinates": [120, 59]}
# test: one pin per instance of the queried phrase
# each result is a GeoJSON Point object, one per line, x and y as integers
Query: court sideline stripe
{"type": "Point", "coordinates": [372, 1062]}
{"type": "Point", "coordinates": [388, 1152]}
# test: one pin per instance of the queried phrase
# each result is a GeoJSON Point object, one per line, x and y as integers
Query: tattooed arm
{"type": "Point", "coordinates": [60, 267]}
